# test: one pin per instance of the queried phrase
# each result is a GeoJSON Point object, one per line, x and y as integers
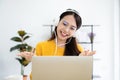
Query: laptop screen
{"type": "Point", "coordinates": [62, 68]}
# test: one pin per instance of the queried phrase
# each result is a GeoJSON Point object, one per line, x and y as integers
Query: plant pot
{"type": "Point", "coordinates": [24, 77]}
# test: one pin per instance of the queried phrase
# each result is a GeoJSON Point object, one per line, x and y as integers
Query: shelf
{"type": "Point", "coordinates": [96, 76]}
{"type": "Point", "coordinates": [90, 25]}
{"type": "Point", "coordinates": [85, 42]}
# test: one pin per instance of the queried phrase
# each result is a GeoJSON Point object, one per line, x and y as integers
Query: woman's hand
{"type": "Point", "coordinates": [27, 55]}
{"type": "Point", "coordinates": [87, 53]}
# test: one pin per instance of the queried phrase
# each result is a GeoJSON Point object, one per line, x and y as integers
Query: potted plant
{"type": "Point", "coordinates": [21, 47]}
{"type": "Point", "coordinates": [91, 36]}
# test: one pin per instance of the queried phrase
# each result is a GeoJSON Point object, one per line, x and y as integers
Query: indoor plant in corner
{"type": "Point", "coordinates": [21, 47]}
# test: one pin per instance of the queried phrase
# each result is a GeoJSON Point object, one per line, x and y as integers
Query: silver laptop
{"type": "Point", "coordinates": [62, 67]}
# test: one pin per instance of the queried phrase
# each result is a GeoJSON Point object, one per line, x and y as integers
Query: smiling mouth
{"type": "Point", "coordinates": [63, 34]}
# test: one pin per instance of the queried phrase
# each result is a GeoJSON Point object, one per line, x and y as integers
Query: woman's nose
{"type": "Point", "coordinates": [66, 29]}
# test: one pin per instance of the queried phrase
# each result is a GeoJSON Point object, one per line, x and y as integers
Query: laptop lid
{"type": "Point", "coordinates": [62, 68]}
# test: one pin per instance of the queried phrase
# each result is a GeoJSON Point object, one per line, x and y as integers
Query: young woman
{"type": "Point", "coordinates": [62, 41]}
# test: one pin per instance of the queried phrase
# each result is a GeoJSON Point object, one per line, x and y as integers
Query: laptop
{"type": "Point", "coordinates": [62, 67]}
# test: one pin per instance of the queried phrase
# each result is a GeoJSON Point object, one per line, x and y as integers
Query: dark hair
{"type": "Point", "coordinates": [75, 14]}
{"type": "Point", "coordinates": [71, 48]}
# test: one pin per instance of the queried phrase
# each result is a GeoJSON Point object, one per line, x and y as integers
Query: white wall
{"type": "Point", "coordinates": [117, 40]}
{"type": "Point", "coordinates": [31, 15]}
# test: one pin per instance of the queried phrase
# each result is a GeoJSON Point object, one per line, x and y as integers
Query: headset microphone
{"type": "Point", "coordinates": [55, 43]}
{"type": "Point", "coordinates": [59, 44]}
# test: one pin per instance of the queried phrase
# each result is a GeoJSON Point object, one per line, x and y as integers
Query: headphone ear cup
{"type": "Point", "coordinates": [74, 35]}
{"type": "Point", "coordinates": [56, 21]}
{"type": "Point", "coordinates": [55, 30]}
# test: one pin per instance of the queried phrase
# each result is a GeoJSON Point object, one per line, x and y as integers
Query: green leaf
{"type": "Point", "coordinates": [15, 47]}
{"type": "Point", "coordinates": [22, 33]}
{"type": "Point", "coordinates": [26, 37]}
{"type": "Point", "coordinates": [23, 47]}
{"type": "Point", "coordinates": [17, 39]}
{"type": "Point", "coordinates": [23, 61]}
{"type": "Point", "coordinates": [20, 47]}
{"type": "Point", "coordinates": [29, 48]}
{"type": "Point", "coordinates": [20, 60]}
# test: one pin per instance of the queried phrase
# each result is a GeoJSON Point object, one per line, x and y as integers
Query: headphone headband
{"type": "Point", "coordinates": [72, 10]}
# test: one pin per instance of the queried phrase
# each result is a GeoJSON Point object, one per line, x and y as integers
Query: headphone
{"type": "Point", "coordinates": [72, 10]}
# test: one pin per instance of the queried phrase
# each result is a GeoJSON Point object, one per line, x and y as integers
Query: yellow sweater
{"type": "Point", "coordinates": [48, 48]}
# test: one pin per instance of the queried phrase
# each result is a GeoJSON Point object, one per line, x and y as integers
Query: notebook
{"type": "Point", "coordinates": [62, 67]}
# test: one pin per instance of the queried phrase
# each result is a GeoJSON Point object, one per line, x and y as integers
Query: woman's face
{"type": "Point", "coordinates": [66, 28]}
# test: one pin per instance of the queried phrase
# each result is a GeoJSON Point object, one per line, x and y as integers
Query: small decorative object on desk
{"type": "Point", "coordinates": [21, 47]}
{"type": "Point", "coordinates": [91, 36]}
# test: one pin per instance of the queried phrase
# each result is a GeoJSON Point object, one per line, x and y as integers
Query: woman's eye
{"type": "Point", "coordinates": [73, 28]}
{"type": "Point", "coordinates": [65, 23]}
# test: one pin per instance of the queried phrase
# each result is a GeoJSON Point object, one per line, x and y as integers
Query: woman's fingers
{"type": "Point", "coordinates": [82, 54]}
{"type": "Point", "coordinates": [27, 55]}
{"type": "Point", "coordinates": [87, 53]}
{"type": "Point", "coordinates": [92, 53]}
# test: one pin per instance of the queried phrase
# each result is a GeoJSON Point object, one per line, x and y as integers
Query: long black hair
{"type": "Point", "coordinates": [71, 48]}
